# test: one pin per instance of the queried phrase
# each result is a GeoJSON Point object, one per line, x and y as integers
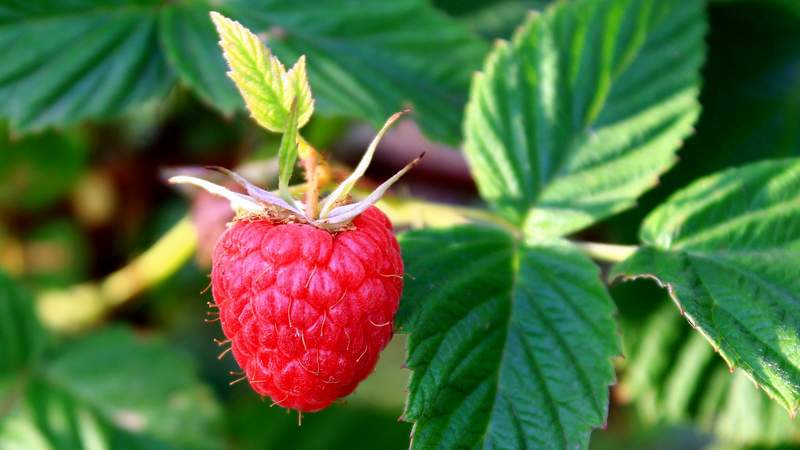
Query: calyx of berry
{"type": "Point", "coordinates": [335, 212]}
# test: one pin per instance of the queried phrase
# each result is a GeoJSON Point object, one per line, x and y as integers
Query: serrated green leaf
{"type": "Point", "coordinates": [674, 376]}
{"type": "Point", "coordinates": [22, 335]}
{"type": "Point", "coordinates": [68, 61]}
{"type": "Point", "coordinates": [112, 390]}
{"type": "Point", "coordinates": [365, 60]}
{"type": "Point", "coordinates": [491, 18]}
{"type": "Point", "coordinates": [727, 248]}
{"type": "Point", "coordinates": [267, 88]}
{"type": "Point", "coordinates": [766, 85]}
{"type": "Point", "coordinates": [510, 343]}
{"type": "Point", "coordinates": [579, 114]}
{"type": "Point", "coordinates": [191, 43]}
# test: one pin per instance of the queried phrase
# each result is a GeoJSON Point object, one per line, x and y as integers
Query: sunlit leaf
{"type": "Point", "coordinates": [267, 88]}
{"type": "Point", "coordinates": [68, 61]}
{"type": "Point", "coordinates": [365, 60]}
{"type": "Point", "coordinates": [510, 343]}
{"type": "Point", "coordinates": [579, 115]}
{"type": "Point", "coordinates": [727, 249]}
{"type": "Point", "coordinates": [766, 85]}
{"type": "Point", "coordinates": [674, 376]}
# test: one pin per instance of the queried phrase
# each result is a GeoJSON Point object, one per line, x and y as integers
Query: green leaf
{"type": "Point", "coordinates": [726, 247]}
{"type": "Point", "coordinates": [22, 335]}
{"type": "Point", "coordinates": [510, 343]}
{"type": "Point", "coordinates": [365, 60]}
{"type": "Point", "coordinates": [491, 18]}
{"type": "Point", "coordinates": [673, 375]}
{"type": "Point", "coordinates": [584, 109]}
{"type": "Point", "coordinates": [113, 390]}
{"type": "Point", "coordinates": [64, 62]}
{"type": "Point", "coordinates": [191, 44]}
{"type": "Point", "coordinates": [766, 85]}
{"type": "Point", "coordinates": [267, 88]}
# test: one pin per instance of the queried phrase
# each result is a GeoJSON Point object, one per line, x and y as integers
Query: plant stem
{"type": "Point", "coordinates": [83, 305]}
{"type": "Point", "coordinates": [310, 159]}
{"type": "Point", "coordinates": [420, 213]}
{"type": "Point", "coordinates": [606, 252]}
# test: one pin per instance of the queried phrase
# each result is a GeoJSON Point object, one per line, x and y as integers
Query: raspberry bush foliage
{"type": "Point", "coordinates": [619, 270]}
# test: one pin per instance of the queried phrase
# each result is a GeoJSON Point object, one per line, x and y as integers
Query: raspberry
{"type": "Point", "coordinates": [307, 310]}
{"type": "Point", "coordinates": [306, 290]}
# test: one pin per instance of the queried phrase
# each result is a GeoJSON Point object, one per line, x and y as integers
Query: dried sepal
{"type": "Point", "coordinates": [343, 190]}
{"type": "Point", "coordinates": [258, 194]}
{"type": "Point", "coordinates": [239, 202]}
{"type": "Point", "coordinates": [346, 213]}
{"type": "Point", "coordinates": [259, 202]}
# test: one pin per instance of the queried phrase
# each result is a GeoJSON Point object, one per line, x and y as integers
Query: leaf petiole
{"type": "Point", "coordinates": [606, 252]}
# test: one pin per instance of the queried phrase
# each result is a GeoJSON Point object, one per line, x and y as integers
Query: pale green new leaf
{"type": "Point", "coordinates": [190, 43]}
{"type": "Point", "coordinates": [674, 376]}
{"type": "Point", "coordinates": [365, 59]}
{"type": "Point", "coordinates": [64, 62]}
{"type": "Point", "coordinates": [267, 88]}
{"type": "Point", "coordinates": [510, 343]}
{"type": "Point", "coordinates": [579, 115]}
{"type": "Point", "coordinates": [727, 247]}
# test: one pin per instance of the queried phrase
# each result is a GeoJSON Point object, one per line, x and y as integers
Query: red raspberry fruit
{"type": "Point", "coordinates": [307, 310]}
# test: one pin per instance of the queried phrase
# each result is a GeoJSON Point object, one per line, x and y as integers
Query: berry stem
{"type": "Point", "coordinates": [80, 306]}
{"type": "Point", "coordinates": [310, 159]}
{"type": "Point", "coordinates": [612, 253]}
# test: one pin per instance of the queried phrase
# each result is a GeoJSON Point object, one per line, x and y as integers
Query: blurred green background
{"type": "Point", "coordinates": [103, 342]}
